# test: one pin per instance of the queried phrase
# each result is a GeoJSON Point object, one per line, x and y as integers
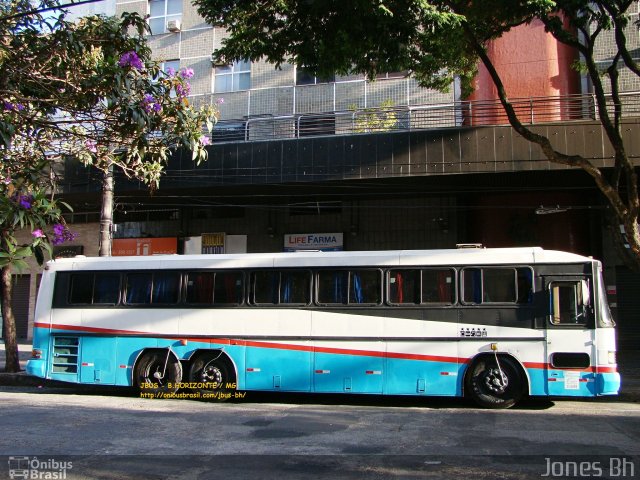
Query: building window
{"type": "Point", "coordinates": [232, 78]}
{"type": "Point", "coordinates": [161, 12]}
{"type": "Point", "coordinates": [390, 75]}
{"type": "Point", "coordinates": [170, 65]}
{"type": "Point", "coordinates": [306, 77]}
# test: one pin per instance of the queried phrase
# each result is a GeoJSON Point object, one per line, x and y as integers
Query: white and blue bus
{"type": "Point", "coordinates": [492, 324]}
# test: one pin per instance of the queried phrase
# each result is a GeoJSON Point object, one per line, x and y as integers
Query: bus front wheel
{"type": "Point", "coordinates": [210, 372]}
{"type": "Point", "coordinates": [158, 371]}
{"type": "Point", "coordinates": [495, 382]}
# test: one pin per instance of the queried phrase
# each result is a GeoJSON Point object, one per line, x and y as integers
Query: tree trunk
{"type": "Point", "coordinates": [106, 214]}
{"type": "Point", "coordinates": [9, 323]}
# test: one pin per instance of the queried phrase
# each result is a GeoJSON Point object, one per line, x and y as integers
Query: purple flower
{"type": "Point", "coordinates": [171, 71]}
{"type": "Point", "coordinates": [7, 180]}
{"type": "Point", "coordinates": [183, 90]}
{"type": "Point", "coordinates": [147, 102]}
{"type": "Point", "coordinates": [220, 101]}
{"type": "Point", "coordinates": [186, 73]}
{"type": "Point", "coordinates": [25, 201]}
{"type": "Point", "coordinates": [62, 234]}
{"type": "Point", "coordinates": [132, 59]}
{"type": "Point", "coordinates": [157, 107]}
{"type": "Point", "coordinates": [205, 141]}
{"type": "Point", "coordinates": [17, 107]}
{"type": "Point", "coordinates": [37, 233]}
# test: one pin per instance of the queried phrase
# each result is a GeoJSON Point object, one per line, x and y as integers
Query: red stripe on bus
{"type": "Point", "coordinates": [305, 348]}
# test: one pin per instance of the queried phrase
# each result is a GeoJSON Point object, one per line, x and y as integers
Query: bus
{"type": "Point", "coordinates": [491, 324]}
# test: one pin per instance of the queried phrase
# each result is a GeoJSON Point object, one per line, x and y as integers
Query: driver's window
{"type": "Point", "coordinates": [567, 303]}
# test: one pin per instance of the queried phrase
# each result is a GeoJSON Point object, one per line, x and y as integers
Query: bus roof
{"type": "Point", "coordinates": [449, 257]}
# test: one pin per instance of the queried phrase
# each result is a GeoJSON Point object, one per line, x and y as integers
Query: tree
{"type": "Point", "coordinates": [441, 40]}
{"type": "Point", "coordinates": [87, 90]}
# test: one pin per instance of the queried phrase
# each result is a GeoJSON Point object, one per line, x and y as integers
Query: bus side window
{"type": "Point", "coordinates": [199, 288]}
{"type": "Point", "coordinates": [265, 287]}
{"type": "Point", "coordinates": [566, 303]}
{"type": "Point", "coordinates": [229, 288]}
{"type": "Point", "coordinates": [364, 287]}
{"type": "Point", "coordinates": [472, 285]}
{"type": "Point", "coordinates": [404, 287]}
{"type": "Point", "coordinates": [295, 287]}
{"type": "Point", "coordinates": [332, 287]}
{"type": "Point", "coordinates": [438, 286]}
{"type": "Point", "coordinates": [499, 285]}
{"type": "Point", "coordinates": [166, 288]}
{"type": "Point", "coordinates": [106, 289]}
{"type": "Point", "coordinates": [81, 289]}
{"type": "Point", "coordinates": [138, 287]}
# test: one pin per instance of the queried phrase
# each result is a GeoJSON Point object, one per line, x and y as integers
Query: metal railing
{"type": "Point", "coordinates": [531, 111]}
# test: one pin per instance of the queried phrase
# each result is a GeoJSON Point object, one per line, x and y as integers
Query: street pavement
{"type": "Point", "coordinates": [628, 365]}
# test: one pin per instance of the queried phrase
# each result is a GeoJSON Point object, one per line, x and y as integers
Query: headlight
{"type": "Point", "coordinates": [612, 358]}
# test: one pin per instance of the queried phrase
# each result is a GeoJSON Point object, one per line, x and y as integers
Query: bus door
{"type": "Point", "coordinates": [570, 335]}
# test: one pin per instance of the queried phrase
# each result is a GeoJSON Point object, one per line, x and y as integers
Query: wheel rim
{"type": "Point", "coordinates": [211, 373]}
{"type": "Point", "coordinates": [153, 373]}
{"type": "Point", "coordinates": [496, 381]}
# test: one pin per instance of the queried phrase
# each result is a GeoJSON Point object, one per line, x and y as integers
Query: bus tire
{"type": "Point", "coordinates": [149, 372]}
{"type": "Point", "coordinates": [485, 385]}
{"type": "Point", "coordinates": [211, 372]}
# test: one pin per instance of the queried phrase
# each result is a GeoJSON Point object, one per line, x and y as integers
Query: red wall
{"type": "Point", "coordinates": [531, 63]}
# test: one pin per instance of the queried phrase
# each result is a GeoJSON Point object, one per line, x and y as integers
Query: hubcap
{"type": "Point", "coordinates": [211, 374]}
{"type": "Point", "coordinates": [496, 381]}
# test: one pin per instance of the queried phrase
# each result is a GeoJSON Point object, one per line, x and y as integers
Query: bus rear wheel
{"type": "Point", "coordinates": [158, 372]}
{"type": "Point", "coordinates": [495, 384]}
{"type": "Point", "coordinates": [210, 372]}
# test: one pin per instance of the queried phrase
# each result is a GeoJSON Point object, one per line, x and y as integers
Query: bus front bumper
{"type": "Point", "coordinates": [608, 383]}
{"type": "Point", "coordinates": [36, 367]}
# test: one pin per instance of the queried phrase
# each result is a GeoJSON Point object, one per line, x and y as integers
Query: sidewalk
{"type": "Point", "coordinates": [628, 365]}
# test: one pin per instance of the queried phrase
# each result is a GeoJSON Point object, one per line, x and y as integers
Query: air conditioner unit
{"type": "Point", "coordinates": [173, 25]}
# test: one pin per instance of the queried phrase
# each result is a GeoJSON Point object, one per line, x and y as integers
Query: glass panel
{"type": "Point", "coordinates": [157, 25]}
{"type": "Point", "coordinates": [265, 287]}
{"type": "Point", "coordinates": [563, 304]}
{"type": "Point", "coordinates": [525, 285]}
{"type": "Point", "coordinates": [438, 286]}
{"type": "Point", "coordinates": [81, 288]}
{"type": "Point", "coordinates": [107, 289]}
{"type": "Point", "coordinates": [499, 285]}
{"type": "Point", "coordinates": [404, 286]}
{"type": "Point", "coordinates": [156, 8]}
{"type": "Point", "coordinates": [242, 81]}
{"type": "Point", "coordinates": [472, 285]}
{"type": "Point", "coordinates": [138, 288]}
{"type": "Point", "coordinates": [365, 287]}
{"type": "Point", "coordinates": [166, 288]}
{"type": "Point", "coordinates": [228, 288]}
{"type": "Point", "coordinates": [332, 287]}
{"type": "Point", "coordinates": [200, 288]}
{"type": "Point", "coordinates": [223, 83]}
{"type": "Point", "coordinates": [174, 7]}
{"type": "Point", "coordinates": [242, 66]}
{"type": "Point", "coordinates": [295, 287]}
{"type": "Point", "coordinates": [223, 69]}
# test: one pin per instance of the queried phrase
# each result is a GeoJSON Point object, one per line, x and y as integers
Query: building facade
{"type": "Point", "coordinates": [298, 157]}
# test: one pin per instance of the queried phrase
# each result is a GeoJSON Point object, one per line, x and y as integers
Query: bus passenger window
{"type": "Point", "coordinates": [200, 288]}
{"type": "Point", "coordinates": [138, 287]}
{"type": "Point", "coordinates": [265, 287]}
{"type": "Point", "coordinates": [229, 288]}
{"type": "Point", "coordinates": [499, 285]}
{"type": "Point", "coordinates": [106, 289]}
{"type": "Point", "coordinates": [472, 285]}
{"type": "Point", "coordinates": [81, 289]}
{"type": "Point", "coordinates": [437, 286]}
{"type": "Point", "coordinates": [525, 285]}
{"type": "Point", "coordinates": [295, 287]}
{"type": "Point", "coordinates": [404, 287]}
{"type": "Point", "coordinates": [332, 287]}
{"type": "Point", "coordinates": [166, 288]}
{"type": "Point", "coordinates": [365, 287]}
